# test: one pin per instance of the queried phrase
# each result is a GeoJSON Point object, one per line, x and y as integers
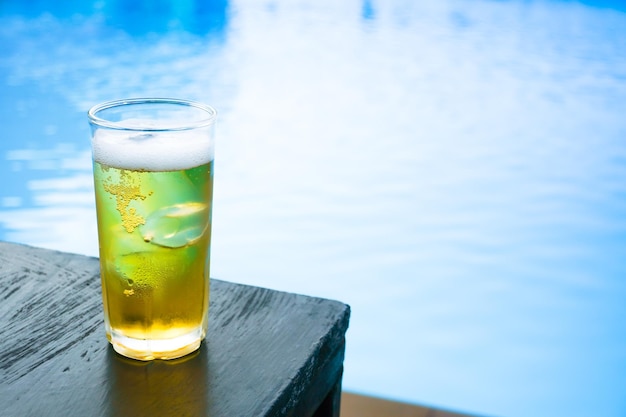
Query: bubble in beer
{"type": "Point", "coordinates": [142, 137]}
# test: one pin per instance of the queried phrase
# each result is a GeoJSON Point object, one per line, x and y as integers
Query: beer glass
{"type": "Point", "coordinates": [153, 177]}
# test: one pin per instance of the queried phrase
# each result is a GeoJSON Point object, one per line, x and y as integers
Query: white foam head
{"type": "Point", "coordinates": [153, 150]}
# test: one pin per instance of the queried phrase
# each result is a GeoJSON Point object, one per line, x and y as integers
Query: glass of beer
{"type": "Point", "coordinates": [153, 176]}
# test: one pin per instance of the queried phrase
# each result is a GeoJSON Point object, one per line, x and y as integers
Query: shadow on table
{"type": "Point", "coordinates": [158, 388]}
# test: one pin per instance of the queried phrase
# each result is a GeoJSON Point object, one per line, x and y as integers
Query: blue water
{"type": "Point", "coordinates": [453, 170]}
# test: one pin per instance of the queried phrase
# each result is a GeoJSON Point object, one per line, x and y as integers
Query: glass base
{"type": "Point", "coordinates": [147, 350]}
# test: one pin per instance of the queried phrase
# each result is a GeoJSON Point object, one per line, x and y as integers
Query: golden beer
{"type": "Point", "coordinates": [153, 201]}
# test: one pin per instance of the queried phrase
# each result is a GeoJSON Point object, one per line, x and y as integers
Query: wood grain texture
{"type": "Point", "coordinates": [267, 353]}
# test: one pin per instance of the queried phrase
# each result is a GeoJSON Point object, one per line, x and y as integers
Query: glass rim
{"type": "Point", "coordinates": [92, 114]}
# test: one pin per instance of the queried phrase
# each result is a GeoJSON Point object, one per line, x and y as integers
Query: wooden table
{"type": "Point", "coordinates": [267, 353]}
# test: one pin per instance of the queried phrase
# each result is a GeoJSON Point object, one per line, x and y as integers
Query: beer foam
{"type": "Point", "coordinates": [152, 150]}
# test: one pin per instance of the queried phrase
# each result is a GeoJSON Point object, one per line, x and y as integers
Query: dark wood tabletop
{"type": "Point", "coordinates": [267, 353]}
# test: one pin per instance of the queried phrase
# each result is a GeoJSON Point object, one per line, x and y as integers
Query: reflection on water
{"type": "Point", "coordinates": [145, 17]}
{"type": "Point", "coordinates": [455, 171]}
{"type": "Point", "coordinates": [47, 197]}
